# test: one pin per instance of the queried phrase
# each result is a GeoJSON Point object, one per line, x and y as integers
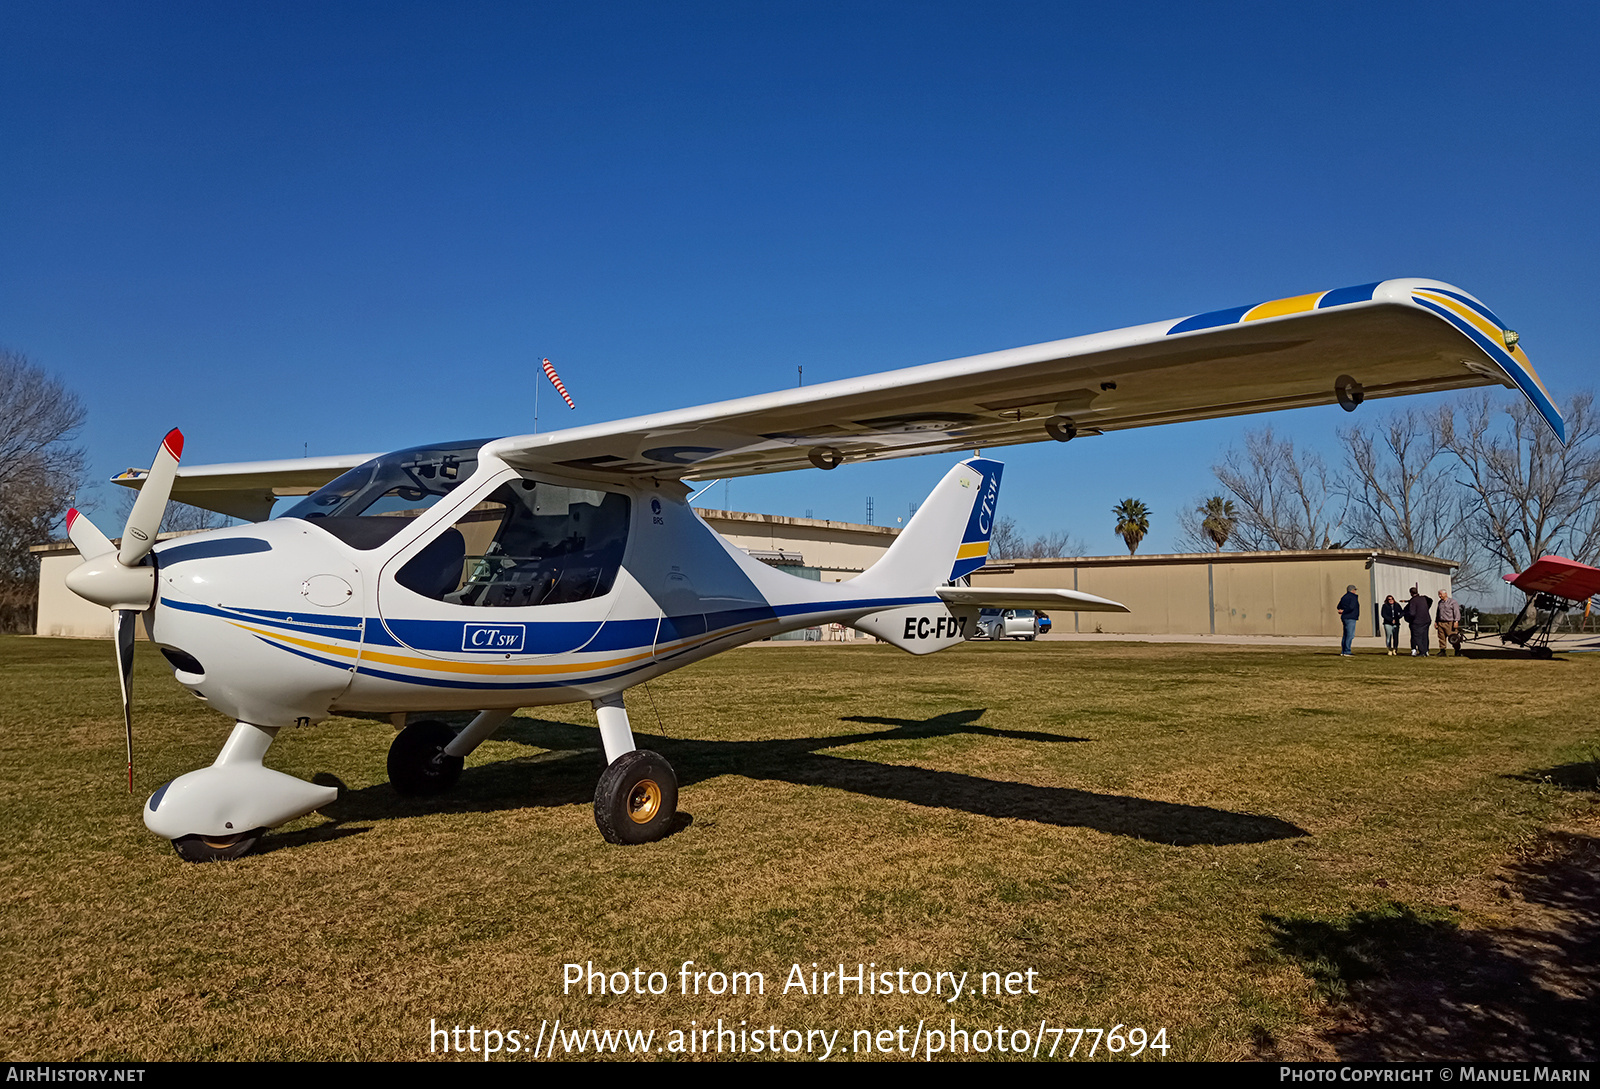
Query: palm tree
{"type": "Point", "coordinates": [1133, 522]}
{"type": "Point", "coordinates": [1218, 520]}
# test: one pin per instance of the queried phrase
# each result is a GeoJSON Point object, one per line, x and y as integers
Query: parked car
{"type": "Point", "coordinates": [1007, 624]}
{"type": "Point", "coordinates": [1044, 623]}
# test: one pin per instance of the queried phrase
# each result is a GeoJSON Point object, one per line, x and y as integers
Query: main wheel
{"type": "Point", "coordinates": [636, 799]}
{"type": "Point", "coordinates": [418, 765]}
{"type": "Point", "coordinates": [216, 848]}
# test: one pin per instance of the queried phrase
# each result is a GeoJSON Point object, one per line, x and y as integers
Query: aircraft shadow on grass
{"type": "Point", "coordinates": [1416, 986]}
{"type": "Point", "coordinates": [566, 773]}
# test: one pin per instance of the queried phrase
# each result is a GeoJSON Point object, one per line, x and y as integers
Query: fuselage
{"type": "Point", "coordinates": [508, 590]}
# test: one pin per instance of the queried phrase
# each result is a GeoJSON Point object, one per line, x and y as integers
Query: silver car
{"type": "Point", "coordinates": [1007, 624]}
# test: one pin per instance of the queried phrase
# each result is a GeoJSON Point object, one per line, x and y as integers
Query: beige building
{"type": "Point", "coordinates": [1228, 593]}
{"type": "Point", "coordinates": [837, 550]}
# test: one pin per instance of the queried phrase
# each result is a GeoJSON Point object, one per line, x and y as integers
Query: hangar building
{"type": "Point", "coordinates": [1228, 593]}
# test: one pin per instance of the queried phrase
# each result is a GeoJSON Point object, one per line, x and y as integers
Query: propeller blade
{"type": "Point", "coordinates": [123, 623]}
{"type": "Point", "coordinates": [86, 536]}
{"type": "Point", "coordinates": [144, 521]}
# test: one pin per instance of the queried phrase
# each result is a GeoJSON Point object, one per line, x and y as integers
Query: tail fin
{"type": "Point", "coordinates": [947, 539]}
{"type": "Point", "coordinates": [948, 536]}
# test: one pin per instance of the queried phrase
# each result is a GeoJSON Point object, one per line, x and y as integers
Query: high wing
{"type": "Point", "coordinates": [1559, 576]}
{"type": "Point", "coordinates": [1382, 339]}
{"type": "Point", "coordinates": [1391, 338]}
{"type": "Point", "coordinates": [248, 489]}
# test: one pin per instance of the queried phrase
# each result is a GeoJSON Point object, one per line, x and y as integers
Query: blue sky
{"type": "Point", "coordinates": [345, 227]}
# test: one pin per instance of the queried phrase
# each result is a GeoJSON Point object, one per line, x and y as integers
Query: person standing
{"type": "Point", "coordinates": [1349, 613]}
{"type": "Point", "coordinates": [1447, 622]}
{"type": "Point", "coordinates": [1391, 614]}
{"type": "Point", "coordinates": [1416, 614]}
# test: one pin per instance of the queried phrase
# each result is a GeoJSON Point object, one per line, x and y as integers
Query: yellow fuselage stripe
{"type": "Point", "coordinates": [480, 668]}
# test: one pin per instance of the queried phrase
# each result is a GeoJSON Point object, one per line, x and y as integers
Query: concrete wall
{"type": "Point", "coordinates": [840, 550]}
{"type": "Point", "coordinates": [1228, 593]}
{"type": "Point", "coordinates": [62, 612]}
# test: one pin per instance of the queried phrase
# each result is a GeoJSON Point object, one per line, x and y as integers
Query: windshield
{"type": "Point", "coordinates": [404, 483]}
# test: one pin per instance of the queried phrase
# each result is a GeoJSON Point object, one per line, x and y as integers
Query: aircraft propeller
{"type": "Point", "coordinates": [118, 578]}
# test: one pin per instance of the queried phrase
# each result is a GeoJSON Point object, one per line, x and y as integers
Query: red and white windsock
{"type": "Point", "coordinates": [555, 380]}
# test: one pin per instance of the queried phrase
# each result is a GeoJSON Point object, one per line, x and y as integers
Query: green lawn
{"type": "Point", "coordinates": [1214, 841]}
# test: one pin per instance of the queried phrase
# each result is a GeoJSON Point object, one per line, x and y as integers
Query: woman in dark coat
{"type": "Point", "coordinates": [1391, 614]}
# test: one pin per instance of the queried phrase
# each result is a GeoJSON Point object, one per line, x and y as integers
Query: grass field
{"type": "Point", "coordinates": [1261, 851]}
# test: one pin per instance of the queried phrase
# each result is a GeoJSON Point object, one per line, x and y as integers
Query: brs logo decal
{"type": "Point", "coordinates": [927, 627]}
{"type": "Point", "coordinates": [501, 637]}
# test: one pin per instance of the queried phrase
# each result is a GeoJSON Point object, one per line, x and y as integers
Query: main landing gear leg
{"type": "Point", "coordinates": [638, 793]}
{"type": "Point", "coordinates": [426, 757]}
{"type": "Point", "coordinates": [218, 813]}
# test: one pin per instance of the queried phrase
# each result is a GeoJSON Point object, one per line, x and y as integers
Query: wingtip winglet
{"type": "Point", "coordinates": [173, 443]}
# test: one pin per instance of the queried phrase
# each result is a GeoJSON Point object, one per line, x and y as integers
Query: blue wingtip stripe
{"type": "Point", "coordinates": [1489, 315]}
{"type": "Point", "coordinates": [1211, 320]}
{"type": "Point", "coordinates": [1343, 296]}
{"type": "Point", "coordinates": [1527, 385]}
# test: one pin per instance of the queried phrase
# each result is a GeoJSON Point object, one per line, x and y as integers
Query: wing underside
{"type": "Point", "coordinates": [1385, 339]}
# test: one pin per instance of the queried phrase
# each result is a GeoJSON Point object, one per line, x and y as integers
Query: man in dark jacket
{"type": "Point", "coordinates": [1417, 615]}
{"type": "Point", "coordinates": [1349, 613]}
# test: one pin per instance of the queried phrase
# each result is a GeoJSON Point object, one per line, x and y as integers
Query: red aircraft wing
{"type": "Point", "coordinates": [1558, 576]}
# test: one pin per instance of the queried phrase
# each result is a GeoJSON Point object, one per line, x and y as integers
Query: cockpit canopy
{"type": "Point", "coordinates": [406, 482]}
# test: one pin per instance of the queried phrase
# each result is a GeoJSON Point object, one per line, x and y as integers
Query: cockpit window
{"type": "Point", "coordinates": [404, 483]}
{"type": "Point", "coordinates": [527, 543]}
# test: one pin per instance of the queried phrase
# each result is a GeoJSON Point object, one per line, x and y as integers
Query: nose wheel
{"type": "Point", "coordinates": [216, 848]}
{"type": "Point", "coordinates": [418, 764]}
{"type": "Point", "coordinates": [636, 799]}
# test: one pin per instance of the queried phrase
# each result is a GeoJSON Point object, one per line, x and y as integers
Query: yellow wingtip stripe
{"type": "Point", "coordinates": [1276, 308]}
{"type": "Point", "coordinates": [1490, 330]}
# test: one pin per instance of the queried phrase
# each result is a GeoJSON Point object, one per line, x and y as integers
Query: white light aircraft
{"type": "Point", "coordinates": [492, 575]}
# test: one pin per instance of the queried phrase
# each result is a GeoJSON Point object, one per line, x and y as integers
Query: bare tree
{"type": "Point", "coordinates": [39, 471]}
{"type": "Point", "coordinates": [1402, 493]}
{"type": "Point", "coordinates": [177, 518]}
{"type": "Point", "coordinates": [1007, 542]}
{"type": "Point", "coordinates": [1532, 496]}
{"type": "Point", "coordinates": [1285, 498]}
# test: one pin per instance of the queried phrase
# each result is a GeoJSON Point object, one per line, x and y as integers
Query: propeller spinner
{"type": "Point", "coordinates": [118, 578]}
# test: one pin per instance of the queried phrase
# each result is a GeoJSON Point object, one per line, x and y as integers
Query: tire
{"type": "Point", "coordinates": [216, 848]}
{"type": "Point", "coordinates": [418, 766]}
{"type": "Point", "coordinates": [636, 799]}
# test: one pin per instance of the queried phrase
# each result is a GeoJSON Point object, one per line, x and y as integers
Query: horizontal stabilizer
{"type": "Point", "coordinates": [1002, 597]}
